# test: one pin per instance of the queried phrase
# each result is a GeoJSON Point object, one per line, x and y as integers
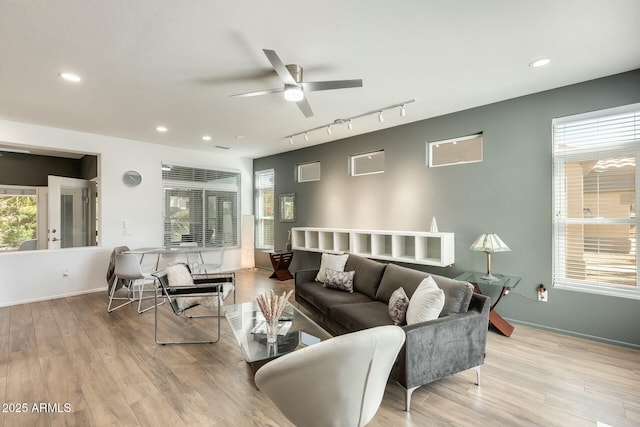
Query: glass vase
{"type": "Point", "coordinates": [272, 331]}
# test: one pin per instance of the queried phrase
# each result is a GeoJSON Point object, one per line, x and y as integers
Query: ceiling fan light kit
{"type": "Point", "coordinates": [294, 87]}
{"type": "Point", "coordinates": [293, 93]}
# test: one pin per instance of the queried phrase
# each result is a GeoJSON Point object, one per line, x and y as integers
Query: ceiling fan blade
{"type": "Point", "coordinates": [279, 66]}
{"type": "Point", "coordinates": [305, 107]}
{"type": "Point", "coordinates": [329, 85]}
{"type": "Point", "coordinates": [258, 93]}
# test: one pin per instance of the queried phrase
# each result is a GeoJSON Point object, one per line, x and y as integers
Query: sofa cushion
{"type": "Point", "coordinates": [426, 302]}
{"type": "Point", "coordinates": [356, 317]}
{"type": "Point", "coordinates": [340, 280]}
{"type": "Point", "coordinates": [395, 277]}
{"type": "Point", "coordinates": [323, 298]}
{"type": "Point", "coordinates": [457, 295]}
{"type": "Point", "coordinates": [336, 262]}
{"type": "Point", "coordinates": [367, 276]}
{"type": "Point", "coordinates": [398, 304]}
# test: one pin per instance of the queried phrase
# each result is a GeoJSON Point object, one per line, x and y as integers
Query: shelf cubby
{"type": "Point", "coordinates": [415, 247]}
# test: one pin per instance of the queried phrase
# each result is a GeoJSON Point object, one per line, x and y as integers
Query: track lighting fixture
{"type": "Point", "coordinates": [349, 120]}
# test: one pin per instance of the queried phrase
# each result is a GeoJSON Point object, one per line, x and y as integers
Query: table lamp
{"type": "Point", "coordinates": [489, 243]}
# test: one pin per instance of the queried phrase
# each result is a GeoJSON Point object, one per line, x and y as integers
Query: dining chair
{"type": "Point", "coordinates": [211, 260]}
{"type": "Point", "coordinates": [128, 269]}
{"type": "Point", "coordinates": [115, 284]}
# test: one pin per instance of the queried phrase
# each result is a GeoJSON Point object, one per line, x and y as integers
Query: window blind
{"type": "Point", "coordinates": [595, 199]}
{"type": "Point", "coordinates": [265, 208]}
{"type": "Point", "coordinates": [201, 206]}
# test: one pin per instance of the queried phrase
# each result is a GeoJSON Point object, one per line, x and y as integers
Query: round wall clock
{"type": "Point", "coordinates": [131, 178]}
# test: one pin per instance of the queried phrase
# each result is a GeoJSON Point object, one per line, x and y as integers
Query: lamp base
{"type": "Point", "coordinates": [490, 277]}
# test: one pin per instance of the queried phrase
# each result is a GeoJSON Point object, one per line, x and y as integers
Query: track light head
{"type": "Point", "coordinates": [403, 111]}
{"type": "Point", "coordinates": [350, 124]}
{"type": "Point", "coordinates": [291, 140]}
{"type": "Point", "coordinates": [306, 136]}
{"type": "Point", "coordinates": [329, 130]}
{"type": "Point", "coordinates": [380, 117]}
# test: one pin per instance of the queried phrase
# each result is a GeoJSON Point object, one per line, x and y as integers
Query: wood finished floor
{"type": "Point", "coordinates": [109, 370]}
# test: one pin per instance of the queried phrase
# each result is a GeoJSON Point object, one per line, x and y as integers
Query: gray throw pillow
{"type": "Point", "coordinates": [398, 304]}
{"type": "Point", "coordinates": [341, 280]}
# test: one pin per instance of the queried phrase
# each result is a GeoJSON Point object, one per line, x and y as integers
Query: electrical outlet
{"type": "Point", "coordinates": [542, 293]}
{"type": "Point", "coordinates": [542, 296]}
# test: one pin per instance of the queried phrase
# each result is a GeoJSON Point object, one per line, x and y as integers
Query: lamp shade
{"type": "Point", "coordinates": [489, 243]}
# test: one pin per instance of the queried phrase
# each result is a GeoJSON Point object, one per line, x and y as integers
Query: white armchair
{"type": "Point", "coordinates": [337, 382]}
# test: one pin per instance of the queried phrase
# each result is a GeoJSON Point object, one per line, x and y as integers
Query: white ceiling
{"type": "Point", "coordinates": [150, 62]}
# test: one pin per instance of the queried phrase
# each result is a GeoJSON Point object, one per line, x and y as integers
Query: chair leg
{"type": "Point", "coordinates": [217, 338]}
{"type": "Point", "coordinates": [477, 368]}
{"type": "Point", "coordinates": [112, 297]}
{"type": "Point", "coordinates": [141, 297]}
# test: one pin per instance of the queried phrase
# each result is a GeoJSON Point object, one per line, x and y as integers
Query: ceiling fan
{"type": "Point", "coordinates": [294, 88]}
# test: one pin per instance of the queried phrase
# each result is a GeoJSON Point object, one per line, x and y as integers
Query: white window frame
{"type": "Point", "coordinates": [560, 216]}
{"type": "Point", "coordinates": [354, 157]}
{"type": "Point", "coordinates": [205, 188]}
{"type": "Point", "coordinates": [436, 144]}
{"type": "Point", "coordinates": [302, 166]}
{"type": "Point", "coordinates": [260, 220]}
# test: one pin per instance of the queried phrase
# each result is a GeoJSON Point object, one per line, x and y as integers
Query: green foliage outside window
{"type": "Point", "coordinates": [17, 219]}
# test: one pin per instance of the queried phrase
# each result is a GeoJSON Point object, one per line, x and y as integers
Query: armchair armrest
{"type": "Point", "coordinates": [304, 276]}
{"type": "Point", "coordinates": [444, 346]}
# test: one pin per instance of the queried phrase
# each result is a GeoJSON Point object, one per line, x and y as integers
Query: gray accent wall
{"type": "Point", "coordinates": [508, 193]}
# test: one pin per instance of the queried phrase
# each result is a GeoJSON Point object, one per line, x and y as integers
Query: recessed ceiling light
{"type": "Point", "coordinates": [161, 129]}
{"type": "Point", "coordinates": [206, 138]}
{"type": "Point", "coordinates": [540, 63]}
{"type": "Point", "coordinates": [70, 77]}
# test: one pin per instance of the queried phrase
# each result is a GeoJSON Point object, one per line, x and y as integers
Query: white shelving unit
{"type": "Point", "coordinates": [413, 247]}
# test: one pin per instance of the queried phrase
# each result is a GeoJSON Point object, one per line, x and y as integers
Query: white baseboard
{"type": "Point", "coordinates": [65, 295]}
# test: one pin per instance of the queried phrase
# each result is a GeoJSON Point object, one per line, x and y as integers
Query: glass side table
{"type": "Point", "coordinates": [505, 284]}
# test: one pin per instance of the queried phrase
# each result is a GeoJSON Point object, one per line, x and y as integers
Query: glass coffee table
{"type": "Point", "coordinates": [244, 317]}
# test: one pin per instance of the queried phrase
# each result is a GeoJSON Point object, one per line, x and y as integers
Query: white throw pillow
{"type": "Point", "coordinates": [335, 262]}
{"type": "Point", "coordinates": [426, 303]}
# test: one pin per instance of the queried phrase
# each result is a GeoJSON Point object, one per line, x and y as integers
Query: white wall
{"type": "Point", "coordinates": [37, 275]}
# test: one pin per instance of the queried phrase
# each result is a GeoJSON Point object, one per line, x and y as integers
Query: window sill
{"type": "Point", "coordinates": [612, 291]}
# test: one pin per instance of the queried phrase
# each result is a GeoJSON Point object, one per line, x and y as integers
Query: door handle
{"type": "Point", "coordinates": [55, 239]}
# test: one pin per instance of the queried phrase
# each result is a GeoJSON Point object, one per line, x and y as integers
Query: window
{"type": "Point", "coordinates": [265, 208]}
{"type": "Point", "coordinates": [467, 149]}
{"type": "Point", "coordinates": [595, 198]}
{"type": "Point", "coordinates": [200, 206]}
{"type": "Point", "coordinates": [309, 172]}
{"type": "Point", "coordinates": [367, 164]}
{"type": "Point", "coordinates": [18, 220]}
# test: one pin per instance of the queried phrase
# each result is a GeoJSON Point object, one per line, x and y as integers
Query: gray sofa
{"type": "Point", "coordinates": [454, 342]}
